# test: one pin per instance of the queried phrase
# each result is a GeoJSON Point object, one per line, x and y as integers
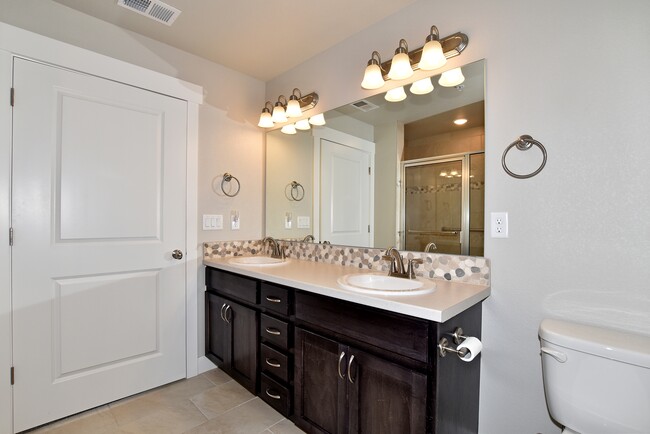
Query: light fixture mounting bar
{"type": "Point", "coordinates": [309, 101]}
{"type": "Point", "coordinates": [452, 46]}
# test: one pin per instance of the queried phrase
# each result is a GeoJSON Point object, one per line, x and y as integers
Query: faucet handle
{"type": "Point", "coordinates": [393, 265]}
{"type": "Point", "coordinates": [411, 268]}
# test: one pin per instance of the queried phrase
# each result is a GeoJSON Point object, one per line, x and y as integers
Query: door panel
{"type": "Point", "coordinates": [98, 205]}
{"type": "Point", "coordinates": [244, 326]}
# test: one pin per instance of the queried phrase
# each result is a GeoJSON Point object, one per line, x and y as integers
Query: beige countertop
{"type": "Point", "coordinates": [448, 300]}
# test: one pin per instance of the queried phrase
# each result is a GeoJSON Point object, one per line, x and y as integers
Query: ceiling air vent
{"type": "Point", "coordinates": [364, 105]}
{"type": "Point", "coordinates": [154, 9]}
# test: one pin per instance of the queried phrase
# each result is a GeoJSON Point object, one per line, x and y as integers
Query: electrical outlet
{"type": "Point", "coordinates": [499, 224]}
{"type": "Point", "coordinates": [288, 220]}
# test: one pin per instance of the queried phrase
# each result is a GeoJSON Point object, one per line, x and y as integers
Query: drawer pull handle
{"type": "Point", "coordinates": [273, 363]}
{"type": "Point", "coordinates": [339, 367]}
{"type": "Point", "coordinates": [273, 299]}
{"type": "Point", "coordinates": [272, 395]}
{"type": "Point", "coordinates": [273, 331]}
{"type": "Point", "coordinates": [350, 369]}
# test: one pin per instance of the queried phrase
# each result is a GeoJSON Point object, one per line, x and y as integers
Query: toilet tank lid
{"type": "Point", "coordinates": [625, 347]}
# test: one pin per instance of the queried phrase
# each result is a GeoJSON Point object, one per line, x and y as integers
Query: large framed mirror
{"type": "Point", "coordinates": [378, 174]}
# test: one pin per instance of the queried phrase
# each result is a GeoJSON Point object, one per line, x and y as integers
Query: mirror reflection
{"type": "Point", "coordinates": [378, 174]}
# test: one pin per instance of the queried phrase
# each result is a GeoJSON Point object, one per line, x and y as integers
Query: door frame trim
{"type": "Point", "coordinates": [16, 42]}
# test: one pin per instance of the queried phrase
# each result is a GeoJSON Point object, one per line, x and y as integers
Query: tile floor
{"type": "Point", "coordinates": [209, 403]}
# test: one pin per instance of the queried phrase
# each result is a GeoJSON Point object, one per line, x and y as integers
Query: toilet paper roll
{"type": "Point", "coordinates": [474, 347]}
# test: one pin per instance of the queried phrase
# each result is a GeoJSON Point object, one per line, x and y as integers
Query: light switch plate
{"type": "Point", "coordinates": [234, 220]}
{"type": "Point", "coordinates": [288, 220]}
{"type": "Point", "coordinates": [212, 222]}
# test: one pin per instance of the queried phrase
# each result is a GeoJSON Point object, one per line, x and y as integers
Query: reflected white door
{"type": "Point", "coordinates": [98, 206]}
{"type": "Point", "coordinates": [346, 189]}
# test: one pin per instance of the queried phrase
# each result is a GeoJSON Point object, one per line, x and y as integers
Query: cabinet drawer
{"type": "Point", "coordinates": [276, 395]}
{"type": "Point", "coordinates": [274, 331]}
{"type": "Point", "coordinates": [233, 285]}
{"type": "Point", "coordinates": [275, 298]}
{"type": "Point", "coordinates": [275, 363]}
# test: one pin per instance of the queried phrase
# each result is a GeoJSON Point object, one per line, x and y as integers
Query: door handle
{"type": "Point", "coordinates": [341, 356]}
{"type": "Point", "coordinates": [177, 254]}
{"type": "Point", "coordinates": [225, 314]}
{"type": "Point", "coordinates": [350, 370]}
{"type": "Point", "coordinates": [223, 306]}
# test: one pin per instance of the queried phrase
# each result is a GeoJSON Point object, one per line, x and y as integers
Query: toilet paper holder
{"type": "Point", "coordinates": [458, 337]}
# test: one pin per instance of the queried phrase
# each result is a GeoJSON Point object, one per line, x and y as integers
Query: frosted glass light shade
{"type": "Point", "coordinates": [303, 124]}
{"type": "Point", "coordinates": [293, 108]}
{"type": "Point", "coordinates": [432, 56]}
{"type": "Point", "coordinates": [451, 78]}
{"type": "Point", "coordinates": [422, 87]}
{"type": "Point", "coordinates": [279, 114]}
{"type": "Point", "coordinates": [265, 120]}
{"type": "Point", "coordinates": [318, 119]}
{"type": "Point", "coordinates": [372, 78]}
{"type": "Point", "coordinates": [400, 67]}
{"type": "Point", "coordinates": [395, 95]}
{"type": "Point", "coordinates": [288, 129]}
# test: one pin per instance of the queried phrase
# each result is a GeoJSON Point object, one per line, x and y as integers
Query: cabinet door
{"type": "Point", "coordinates": [243, 325]}
{"type": "Point", "coordinates": [319, 396]}
{"type": "Point", "coordinates": [217, 332]}
{"type": "Point", "coordinates": [384, 398]}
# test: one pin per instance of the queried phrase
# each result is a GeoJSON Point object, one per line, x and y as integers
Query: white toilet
{"type": "Point", "coordinates": [597, 381]}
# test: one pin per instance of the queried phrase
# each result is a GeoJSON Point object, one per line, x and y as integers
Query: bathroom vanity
{"type": "Point", "coordinates": [334, 361]}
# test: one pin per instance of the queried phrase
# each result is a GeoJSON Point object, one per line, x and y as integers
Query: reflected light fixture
{"type": "Point", "coordinates": [318, 119]}
{"type": "Point", "coordinates": [460, 121]}
{"type": "Point", "coordinates": [373, 77]}
{"type": "Point", "coordinates": [293, 106]}
{"type": "Point", "coordinates": [400, 67]}
{"type": "Point", "coordinates": [432, 55]}
{"type": "Point", "coordinates": [265, 117]}
{"type": "Point", "coordinates": [288, 129]}
{"type": "Point", "coordinates": [395, 95]}
{"type": "Point", "coordinates": [279, 115]}
{"type": "Point", "coordinates": [303, 124]}
{"type": "Point", "coordinates": [422, 87]}
{"type": "Point", "coordinates": [451, 78]}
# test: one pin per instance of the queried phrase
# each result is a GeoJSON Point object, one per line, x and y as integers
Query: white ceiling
{"type": "Point", "coordinates": [261, 38]}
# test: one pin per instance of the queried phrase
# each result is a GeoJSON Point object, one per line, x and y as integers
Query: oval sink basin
{"type": "Point", "coordinates": [257, 260]}
{"type": "Point", "coordinates": [374, 283]}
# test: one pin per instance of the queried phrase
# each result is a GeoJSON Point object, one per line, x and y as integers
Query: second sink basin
{"type": "Point", "coordinates": [257, 260]}
{"type": "Point", "coordinates": [375, 283]}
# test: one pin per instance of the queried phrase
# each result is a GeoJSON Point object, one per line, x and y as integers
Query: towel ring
{"type": "Point", "coordinates": [227, 177]}
{"type": "Point", "coordinates": [297, 191]}
{"type": "Point", "coordinates": [524, 143]}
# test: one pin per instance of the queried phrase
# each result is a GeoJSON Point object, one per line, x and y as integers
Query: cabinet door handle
{"type": "Point", "coordinates": [272, 395]}
{"type": "Point", "coordinates": [273, 331]}
{"type": "Point", "coordinates": [225, 314]}
{"type": "Point", "coordinates": [273, 299]}
{"type": "Point", "coordinates": [223, 306]}
{"type": "Point", "coordinates": [341, 356]}
{"type": "Point", "coordinates": [350, 370]}
{"type": "Point", "coordinates": [273, 363]}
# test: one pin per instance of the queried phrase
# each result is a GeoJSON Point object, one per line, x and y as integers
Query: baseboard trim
{"type": "Point", "coordinates": [205, 364]}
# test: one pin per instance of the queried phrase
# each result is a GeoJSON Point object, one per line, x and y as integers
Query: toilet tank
{"type": "Point", "coordinates": [596, 380]}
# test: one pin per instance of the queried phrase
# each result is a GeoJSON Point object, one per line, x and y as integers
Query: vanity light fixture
{"type": "Point", "coordinates": [460, 121]}
{"type": "Point", "coordinates": [279, 115]}
{"type": "Point", "coordinates": [451, 78]}
{"type": "Point", "coordinates": [265, 117]}
{"type": "Point", "coordinates": [284, 109]}
{"type": "Point", "coordinates": [289, 129]}
{"type": "Point", "coordinates": [303, 124]}
{"type": "Point", "coordinates": [395, 95]}
{"type": "Point", "coordinates": [403, 63]}
{"type": "Point", "coordinates": [422, 87]}
{"type": "Point", "coordinates": [400, 66]}
{"type": "Point", "coordinates": [317, 120]}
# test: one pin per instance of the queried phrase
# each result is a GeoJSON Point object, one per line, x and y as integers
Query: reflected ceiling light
{"type": "Point", "coordinates": [422, 87]}
{"type": "Point", "coordinates": [293, 106]}
{"type": "Point", "coordinates": [460, 121]}
{"type": "Point", "coordinates": [395, 95]}
{"type": "Point", "coordinates": [400, 66]}
{"type": "Point", "coordinates": [279, 115]}
{"type": "Point", "coordinates": [265, 117]}
{"type": "Point", "coordinates": [289, 129]}
{"type": "Point", "coordinates": [432, 55]}
{"type": "Point", "coordinates": [451, 78]}
{"type": "Point", "coordinates": [373, 77]}
{"type": "Point", "coordinates": [318, 119]}
{"type": "Point", "coordinates": [303, 124]}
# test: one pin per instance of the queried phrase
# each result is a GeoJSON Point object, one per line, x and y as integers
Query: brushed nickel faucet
{"type": "Point", "coordinates": [276, 250]}
{"type": "Point", "coordinates": [397, 264]}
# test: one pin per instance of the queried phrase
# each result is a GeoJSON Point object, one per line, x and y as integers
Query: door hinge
{"type": "Point", "coordinates": [368, 228]}
{"type": "Point", "coordinates": [12, 375]}
{"type": "Point", "coordinates": [11, 237]}
{"type": "Point", "coordinates": [11, 97]}
{"type": "Point", "coordinates": [368, 167]}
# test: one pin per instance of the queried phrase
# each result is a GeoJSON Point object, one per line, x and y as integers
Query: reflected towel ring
{"type": "Point", "coordinates": [524, 143]}
{"type": "Point", "coordinates": [297, 191]}
{"type": "Point", "coordinates": [227, 177]}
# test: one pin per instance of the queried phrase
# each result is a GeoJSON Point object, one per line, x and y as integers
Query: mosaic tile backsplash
{"type": "Point", "coordinates": [467, 269]}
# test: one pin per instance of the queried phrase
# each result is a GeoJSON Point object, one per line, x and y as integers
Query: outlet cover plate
{"type": "Point", "coordinates": [499, 224]}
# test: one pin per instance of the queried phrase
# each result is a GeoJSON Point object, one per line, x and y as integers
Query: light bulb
{"type": "Point", "coordinates": [288, 129]}
{"type": "Point", "coordinates": [318, 119]}
{"type": "Point", "coordinates": [395, 95]}
{"type": "Point", "coordinates": [460, 121]}
{"type": "Point", "coordinates": [293, 107]}
{"type": "Point", "coordinates": [422, 87]}
{"type": "Point", "coordinates": [372, 79]}
{"type": "Point", "coordinates": [432, 55]}
{"type": "Point", "coordinates": [279, 114]}
{"type": "Point", "coordinates": [265, 119]}
{"type": "Point", "coordinates": [451, 78]}
{"type": "Point", "coordinates": [400, 67]}
{"type": "Point", "coordinates": [303, 124]}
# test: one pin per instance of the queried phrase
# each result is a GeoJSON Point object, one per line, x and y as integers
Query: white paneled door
{"type": "Point", "coordinates": [98, 207]}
